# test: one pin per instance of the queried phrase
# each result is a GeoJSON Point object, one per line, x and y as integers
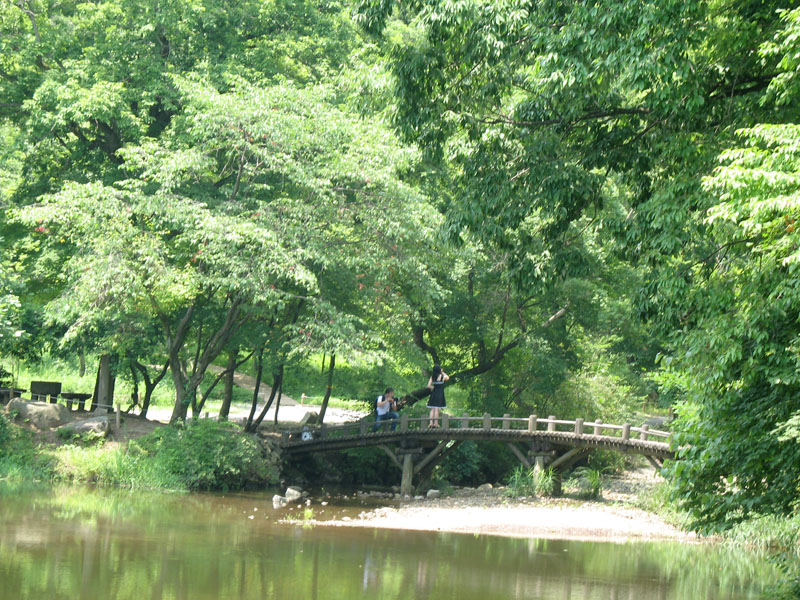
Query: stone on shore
{"type": "Point", "coordinates": [293, 494]}
{"type": "Point", "coordinates": [96, 426]}
{"type": "Point", "coordinates": [41, 415]}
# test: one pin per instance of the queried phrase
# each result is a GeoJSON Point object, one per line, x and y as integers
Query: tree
{"type": "Point", "coordinates": [227, 220]}
{"type": "Point", "coordinates": [737, 354]}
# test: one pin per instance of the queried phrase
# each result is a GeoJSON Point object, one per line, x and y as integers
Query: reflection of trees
{"type": "Point", "coordinates": [119, 545]}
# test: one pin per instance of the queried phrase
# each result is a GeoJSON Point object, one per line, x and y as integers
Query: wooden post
{"type": "Point", "coordinates": [506, 422]}
{"type": "Point", "coordinates": [362, 428]}
{"type": "Point", "coordinates": [579, 426]}
{"type": "Point", "coordinates": [404, 422]}
{"type": "Point", "coordinates": [538, 465]}
{"type": "Point", "coordinates": [323, 428]}
{"type": "Point", "coordinates": [487, 421]}
{"type": "Point", "coordinates": [464, 422]}
{"type": "Point", "coordinates": [445, 421]}
{"type": "Point", "coordinates": [626, 431]}
{"type": "Point", "coordinates": [597, 428]}
{"type": "Point", "coordinates": [117, 420]}
{"type": "Point", "coordinates": [532, 423]}
{"type": "Point", "coordinates": [643, 435]}
{"type": "Point", "coordinates": [551, 426]}
{"type": "Point", "coordinates": [408, 474]}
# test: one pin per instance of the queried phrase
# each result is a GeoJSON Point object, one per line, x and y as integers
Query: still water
{"type": "Point", "coordinates": [74, 543]}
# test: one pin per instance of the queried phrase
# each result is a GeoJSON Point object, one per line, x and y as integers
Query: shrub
{"type": "Point", "coordinates": [19, 460]}
{"type": "Point", "coordinates": [5, 435]}
{"type": "Point", "coordinates": [208, 455]}
{"type": "Point", "coordinates": [529, 482]}
{"type": "Point", "coordinates": [588, 481]}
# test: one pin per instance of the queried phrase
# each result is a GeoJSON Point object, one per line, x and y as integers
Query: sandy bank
{"type": "Point", "coordinates": [493, 513]}
{"type": "Point", "coordinates": [555, 519]}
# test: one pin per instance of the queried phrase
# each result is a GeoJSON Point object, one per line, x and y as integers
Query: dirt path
{"type": "Point", "coordinates": [249, 383]}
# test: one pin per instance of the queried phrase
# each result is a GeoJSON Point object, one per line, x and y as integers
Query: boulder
{"type": "Point", "coordinates": [41, 415]}
{"type": "Point", "coordinates": [293, 494]}
{"type": "Point", "coordinates": [95, 425]}
{"type": "Point", "coordinates": [486, 487]}
{"type": "Point", "coordinates": [433, 493]}
{"type": "Point", "coordinates": [309, 418]}
{"type": "Point", "coordinates": [278, 501]}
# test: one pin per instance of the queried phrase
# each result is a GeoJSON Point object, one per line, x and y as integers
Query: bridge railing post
{"type": "Point", "coordinates": [487, 421]}
{"type": "Point", "coordinates": [597, 428]}
{"type": "Point", "coordinates": [445, 421]}
{"type": "Point", "coordinates": [464, 421]}
{"type": "Point", "coordinates": [579, 426]}
{"type": "Point", "coordinates": [626, 431]}
{"type": "Point", "coordinates": [362, 428]}
{"type": "Point", "coordinates": [532, 423]}
{"type": "Point", "coordinates": [323, 429]}
{"type": "Point", "coordinates": [506, 421]}
{"type": "Point", "coordinates": [285, 437]}
{"type": "Point", "coordinates": [404, 422]}
{"type": "Point", "coordinates": [643, 434]}
{"type": "Point", "coordinates": [551, 426]}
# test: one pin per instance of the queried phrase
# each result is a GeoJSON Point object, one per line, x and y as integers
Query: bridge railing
{"type": "Point", "coordinates": [487, 422]}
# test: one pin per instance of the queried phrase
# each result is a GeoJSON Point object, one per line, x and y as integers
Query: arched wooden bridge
{"type": "Point", "coordinates": [416, 448]}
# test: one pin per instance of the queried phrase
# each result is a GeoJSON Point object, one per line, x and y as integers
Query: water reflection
{"type": "Point", "coordinates": [77, 543]}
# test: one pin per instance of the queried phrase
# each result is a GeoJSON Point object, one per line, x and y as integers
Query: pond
{"type": "Point", "coordinates": [82, 543]}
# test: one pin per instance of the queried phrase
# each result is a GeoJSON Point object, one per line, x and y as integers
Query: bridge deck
{"type": "Point", "coordinates": [558, 433]}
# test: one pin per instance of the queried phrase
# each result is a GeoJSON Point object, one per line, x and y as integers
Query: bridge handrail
{"type": "Point", "coordinates": [484, 422]}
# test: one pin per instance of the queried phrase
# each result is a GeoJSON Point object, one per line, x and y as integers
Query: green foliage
{"type": "Point", "coordinates": [530, 482]}
{"type": "Point", "coordinates": [463, 465]}
{"type": "Point", "coordinates": [207, 454]}
{"type": "Point", "coordinates": [20, 459]}
{"type": "Point", "coordinates": [588, 481]}
{"type": "Point", "coordinates": [781, 537]}
{"type": "Point", "coordinates": [5, 435]}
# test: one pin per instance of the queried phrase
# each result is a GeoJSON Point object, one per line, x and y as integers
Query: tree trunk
{"type": "Point", "coordinates": [104, 384]}
{"type": "Point", "coordinates": [277, 379]}
{"type": "Point", "coordinates": [81, 363]}
{"type": "Point", "coordinates": [227, 398]}
{"type": "Point", "coordinates": [328, 389]}
{"type": "Point", "coordinates": [280, 394]}
{"type": "Point", "coordinates": [149, 385]}
{"type": "Point", "coordinates": [257, 388]}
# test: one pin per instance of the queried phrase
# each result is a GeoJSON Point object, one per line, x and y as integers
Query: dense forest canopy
{"type": "Point", "coordinates": [571, 205]}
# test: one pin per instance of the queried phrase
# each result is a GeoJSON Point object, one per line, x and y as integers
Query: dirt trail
{"type": "Point", "coordinates": [249, 383]}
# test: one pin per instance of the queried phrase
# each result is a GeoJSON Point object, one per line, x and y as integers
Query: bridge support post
{"type": "Point", "coordinates": [538, 463]}
{"type": "Point", "coordinates": [408, 475]}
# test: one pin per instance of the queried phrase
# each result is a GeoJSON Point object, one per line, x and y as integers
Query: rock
{"type": "Point", "coordinates": [486, 487]}
{"type": "Point", "coordinates": [293, 494]}
{"type": "Point", "coordinates": [95, 425]}
{"type": "Point", "coordinates": [41, 415]}
{"type": "Point", "coordinates": [434, 493]}
{"type": "Point", "coordinates": [310, 418]}
{"type": "Point", "coordinates": [278, 501]}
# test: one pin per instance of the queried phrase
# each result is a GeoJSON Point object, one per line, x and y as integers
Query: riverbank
{"type": "Point", "coordinates": [492, 512]}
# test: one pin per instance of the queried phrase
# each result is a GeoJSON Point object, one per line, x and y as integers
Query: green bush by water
{"type": "Point", "coordinates": [19, 460]}
{"type": "Point", "coordinates": [529, 482]}
{"type": "Point", "coordinates": [208, 455]}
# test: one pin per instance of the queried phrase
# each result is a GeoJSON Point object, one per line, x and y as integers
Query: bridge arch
{"type": "Point", "coordinates": [416, 449]}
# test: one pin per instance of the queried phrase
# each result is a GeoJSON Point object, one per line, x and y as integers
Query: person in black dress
{"type": "Point", "coordinates": [436, 402]}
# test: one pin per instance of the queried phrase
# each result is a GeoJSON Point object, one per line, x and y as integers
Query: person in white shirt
{"type": "Point", "coordinates": [386, 409]}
